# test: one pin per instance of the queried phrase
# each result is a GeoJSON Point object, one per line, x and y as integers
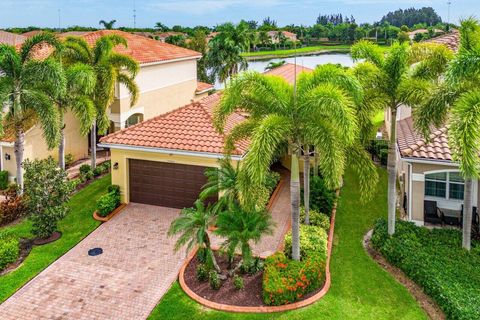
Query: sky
{"type": "Point", "coordinates": [45, 13]}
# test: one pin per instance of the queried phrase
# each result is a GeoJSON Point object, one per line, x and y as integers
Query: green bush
{"type": "Point", "coordinates": [214, 280]}
{"type": "Point", "coordinates": [313, 242]}
{"type": "Point", "coordinates": [435, 260]}
{"type": "Point", "coordinates": [238, 282]}
{"type": "Point", "coordinates": [286, 281]}
{"type": "Point", "coordinates": [109, 202]}
{"type": "Point", "coordinates": [97, 171]}
{"type": "Point", "coordinates": [322, 199]}
{"type": "Point", "coordinates": [86, 172]}
{"type": "Point", "coordinates": [316, 219]}
{"type": "Point", "coordinates": [202, 272]}
{"type": "Point", "coordinates": [272, 180]}
{"type": "Point", "coordinates": [383, 156]}
{"type": "Point", "coordinates": [3, 180]}
{"type": "Point", "coordinates": [69, 159]}
{"type": "Point", "coordinates": [9, 249]}
{"type": "Point", "coordinates": [74, 183]}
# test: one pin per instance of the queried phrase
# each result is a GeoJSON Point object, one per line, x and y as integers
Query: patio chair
{"type": "Point", "coordinates": [431, 213]}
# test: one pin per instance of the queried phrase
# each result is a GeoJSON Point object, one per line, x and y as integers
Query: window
{"type": "Point", "coordinates": [448, 185]}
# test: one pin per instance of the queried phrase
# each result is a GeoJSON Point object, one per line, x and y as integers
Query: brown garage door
{"type": "Point", "coordinates": [165, 184]}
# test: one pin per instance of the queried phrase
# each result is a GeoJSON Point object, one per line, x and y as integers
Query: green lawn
{"type": "Point", "coordinates": [77, 225]}
{"type": "Point", "coordinates": [280, 52]}
{"type": "Point", "coordinates": [360, 288]}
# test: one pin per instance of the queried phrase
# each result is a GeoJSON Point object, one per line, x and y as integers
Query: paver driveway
{"type": "Point", "coordinates": [136, 268]}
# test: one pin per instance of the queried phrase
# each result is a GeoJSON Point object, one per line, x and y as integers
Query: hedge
{"type": "Point", "coordinates": [435, 260]}
{"type": "Point", "coordinates": [286, 281]}
{"type": "Point", "coordinates": [9, 249]}
{"type": "Point", "coordinates": [316, 219]}
{"type": "Point", "coordinates": [3, 180]}
{"type": "Point", "coordinates": [109, 202]}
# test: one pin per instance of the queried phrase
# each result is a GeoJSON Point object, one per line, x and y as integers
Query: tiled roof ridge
{"type": "Point", "coordinates": [417, 145]}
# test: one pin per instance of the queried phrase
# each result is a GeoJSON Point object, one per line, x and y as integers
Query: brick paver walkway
{"type": "Point", "coordinates": [136, 269]}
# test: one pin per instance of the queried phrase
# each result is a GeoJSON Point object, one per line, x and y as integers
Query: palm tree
{"type": "Point", "coordinates": [80, 83]}
{"type": "Point", "coordinates": [264, 38]}
{"type": "Point", "coordinates": [110, 67]}
{"type": "Point", "coordinates": [273, 65]}
{"type": "Point", "coordinates": [108, 25]}
{"type": "Point", "coordinates": [318, 111]}
{"type": "Point", "coordinates": [198, 42]}
{"type": "Point", "coordinates": [26, 88]}
{"type": "Point", "coordinates": [240, 228]}
{"type": "Point", "coordinates": [224, 56]}
{"type": "Point", "coordinates": [193, 225]}
{"type": "Point", "coordinates": [458, 94]}
{"type": "Point", "coordinates": [394, 81]}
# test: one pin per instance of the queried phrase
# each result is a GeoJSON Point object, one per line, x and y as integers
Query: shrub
{"type": "Point", "coordinates": [286, 281]}
{"type": "Point", "coordinates": [86, 172]}
{"type": "Point", "coordinates": [13, 207]}
{"type": "Point", "coordinates": [238, 282]}
{"type": "Point", "coordinates": [322, 199]}
{"type": "Point", "coordinates": [202, 272]}
{"type": "Point", "coordinates": [214, 280]}
{"type": "Point", "coordinates": [3, 180]}
{"type": "Point", "coordinates": [109, 202]}
{"type": "Point", "coordinates": [9, 249]}
{"type": "Point", "coordinates": [69, 159]}
{"type": "Point", "coordinates": [74, 183]}
{"type": "Point", "coordinates": [97, 171]}
{"type": "Point", "coordinates": [272, 180]}
{"type": "Point", "coordinates": [316, 219]}
{"type": "Point", "coordinates": [255, 266]}
{"type": "Point", "coordinates": [435, 260]}
{"type": "Point", "coordinates": [47, 192]}
{"type": "Point", "coordinates": [383, 155]}
{"type": "Point", "coordinates": [313, 242]}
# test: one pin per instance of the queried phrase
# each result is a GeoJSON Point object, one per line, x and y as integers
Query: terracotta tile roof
{"type": "Point", "coordinates": [411, 144]}
{"type": "Point", "coordinates": [287, 71]}
{"type": "Point", "coordinates": [451, 40]}
{"type": "Point", "coordinates": [74, 33]}
{"type": "Point", "coordinates": [188, 128]}
{"type": "Point", "coordinates": [204, 87]}
{"type": "Point", "coordinates": [32, 33]}
{"type": "Point", "coordinates": [11, 38]}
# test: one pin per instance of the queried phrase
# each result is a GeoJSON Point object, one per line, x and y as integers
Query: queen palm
{"type": "Point", "coordinates": [394, 80]}
{"type": "Point", "coordinates": [109, 67]}
{"type": "Point", "coordinates": [456, 101]}
{"type": "Point", "coordinates": [26, 88]}
{"type": "Point", "coordinates": [318, 111]}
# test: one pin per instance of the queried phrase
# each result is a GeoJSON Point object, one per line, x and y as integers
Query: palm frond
{"type": "Point", "coordinates": [368, 51]}
{"type": "Point", "coordinates": [10, 61]}
{"type": "Point", "coordinates": [84, 109]}
{"type": "Point", "coordinates": [81, 78]}
{"type": "Point", "coordinates": [28, 46]}
{"type": "Point", "coordinates": [47, 74]}
{"type": "Point", "coordinates": [104, 46]}
{"type": "Point", "coordinates": [364, 168]}
{"type": "Point", "coordinates": [76, 49]}
{"type": "Point", "coordinates": [131, 86]}
{"type": "Point", "coordinates": [121, 61]}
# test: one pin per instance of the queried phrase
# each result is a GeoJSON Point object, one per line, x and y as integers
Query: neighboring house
{"type": "Point", "coordinates": [32, 33]}
{"type": "Point", "coordinates": [427, 173]}
{"type": "Point", "coordinates": [164, 35]}
{"type": "Point", "coordinates": [412, 34]}
{"type": "Point", "coordinates": [167, 79]}
{"type": "Point", "coordinates": [288, 35]}
{"type": "Point", "coordinates": [162, 161]}
{"type": "Point", "coordinates": [12, 39]}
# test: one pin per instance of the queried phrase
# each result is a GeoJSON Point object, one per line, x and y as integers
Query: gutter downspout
{"type": "Point", "coordinates": [409, 199]}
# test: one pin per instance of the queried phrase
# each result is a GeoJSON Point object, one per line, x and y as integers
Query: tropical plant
{"type": "Point", "coordinates": [224, 55]}
{"type": "Point", "coordinates": [192, 225]}
{"type": "Point", "coordinates": [394, 77]}
{"type": "Point", "coordinates": [272, 65]}
{"type": "Point", "coordinates": [320, 112]}
{"type": "Point", "coordinates": [47, 192]}
{"type": "Point", "coordinates": [240, 228]}
{"type": "Point", "coordinates": [26, 88]}
{"type": "Point", "coordinates": [458, 94]}
{"type": "Point", "coordinates": [108, 25]}
{"type": "Point", "coordinates": [198, 42]}
{"type": "Point", "coordinates": [264, 38]}
{"type": "Point", "coordinates": [110, 68]}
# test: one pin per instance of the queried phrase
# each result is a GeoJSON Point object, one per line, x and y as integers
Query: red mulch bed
{"type": "Point", "coordinates": [54, 237]}
{"type": "Point", "coordinates": [250, 295]}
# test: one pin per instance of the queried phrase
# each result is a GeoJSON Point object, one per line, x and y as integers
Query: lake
{"type": "Point", "coordinates": [307, 61]}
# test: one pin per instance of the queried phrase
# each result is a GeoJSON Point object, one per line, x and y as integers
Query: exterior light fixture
{"type": "Point", "coordinates": [115, 166]}
{"type": "Point", "coordinates": [7, 156]}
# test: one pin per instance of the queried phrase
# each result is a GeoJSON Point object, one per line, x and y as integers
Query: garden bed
{"type": "Point", "coordinates": [98, 217]}
{"type": "Point", "coordinates": [25, 248]}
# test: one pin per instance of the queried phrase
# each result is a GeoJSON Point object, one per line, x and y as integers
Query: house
{"type": "Point", "coordinates": [32, 33]}
{"type": "Point", "coordinates": [162, 161]}
{"type": "Point", "coordinates": [429, 178]}
{"type": "Point", "coordinates": [289, 36]}
{"type": "Point", "coordinates": [167, 79]}
{"type": "Point", "coordinates": [11, 38]}
{"type": "Point", "coordinates": [412, 34]}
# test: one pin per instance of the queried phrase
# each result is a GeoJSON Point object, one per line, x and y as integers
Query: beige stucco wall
{"type": "Point", "coordinates": [120, 176]}
{"type": "Point", "coordinates": [36, 147]}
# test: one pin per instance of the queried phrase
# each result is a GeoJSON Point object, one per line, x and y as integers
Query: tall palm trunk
{"type": "Point", "coordinates": [392, 170]}
{"type": "Point", "coordinates": [316, 160]}
{"type": "Point", "coordinates": [61, 147]}
{"type": "Point", "coordinates": [467, 214]}
{"type": "Point", "coordinates": [306, 186]}
{"type": "Point", "coordinates": [19, 147]}
{"type": "Point", "coordinates": [295, 202]}
{"type": "Point", "coordinates": [93, 143]}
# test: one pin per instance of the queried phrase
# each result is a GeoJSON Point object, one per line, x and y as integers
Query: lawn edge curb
{"type": "Point", "coordinates": [265, 309]}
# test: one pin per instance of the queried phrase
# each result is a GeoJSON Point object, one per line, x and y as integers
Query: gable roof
{"type": "Point", "coordinates": [189, 128]}
{"type": "Point", "coordinates": [32, 33]}
{"type": "Point", "coordinates": [288, 71]}
{"type": "Point", "coordinates": [203, 87]}
{"type": "Point", "coordinates": [411, 144]}
{"type": "Point", "coordinates": [11, 38]}
{"type": "Point", "coordinates": [451, 40]}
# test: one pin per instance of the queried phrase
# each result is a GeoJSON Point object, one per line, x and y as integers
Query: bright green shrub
{"type": "Point", "coordinates": [202, 272]}
{"type": "Point", "coordinates": [109, 202]}
{"type": "Point", "coordinates": [286, 281]}
{"type": "Point", "coordinates": [313, 242]}
{"type": "Point", "coordinates": [69, 159]}
{"type": "Point", "coordinates": [272, 180]}
{"type": "Point", "coordinates": [86, 172]}
{"type": "Point", "coordinates": [322, 199]}
{"type": "Point", "coordinates": [238, 282]}
{"type": "Point", "coordinates": [383, 156]}
{"type": "Point", "coordinates": [3, 180]}
{"type": "Point", "coordinates": [214, 280]}
{"type": "Point", "coordinates": [97, 171]}
{"type": "Point", "coordinates": [435, 260]}
{"type": "Point", "coordinates": [316, 219]}
{"type": "Point", "coordinates": [9, 249]}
